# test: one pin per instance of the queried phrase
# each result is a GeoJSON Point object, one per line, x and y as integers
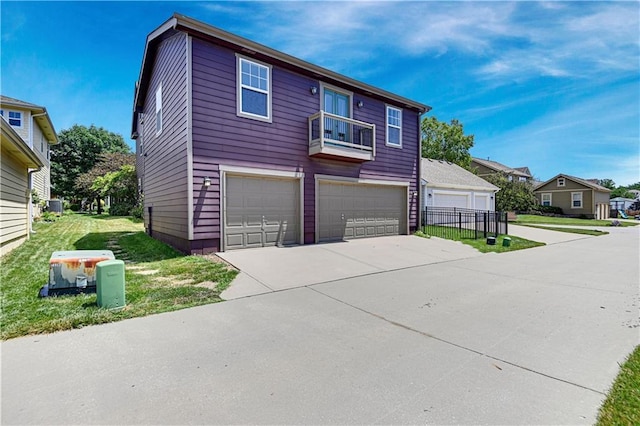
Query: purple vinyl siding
{"type": "Point", "coordinates": [165, 163]}
{"type": "Point", "coordinates": [221, 137]}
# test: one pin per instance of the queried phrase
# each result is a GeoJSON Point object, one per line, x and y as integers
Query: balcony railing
{"type": "Point", "coordinates": [331, 135]}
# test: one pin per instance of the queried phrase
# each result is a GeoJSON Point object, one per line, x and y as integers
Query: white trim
{"type": "Point", "coordinates": [542, 194]}
{"type": "Point", "coordinates": [386, 126]}
{"type": "Point", "coordinates": [336, 89]}
{"type": "Point", "coordinates": [189, 138]}
{"type": "Point", "coordinates": [256, 172]}
{"type": "Point", "coordinates": [581, 200]}
{"type": "Point", "coordinates": [344, 179]}
{"type": "Point", "coordinates": [158, 107]}
{"type": "Point", "coordinates": [319, 178]}
{"type": "Point", "coordinates": [239, 112]}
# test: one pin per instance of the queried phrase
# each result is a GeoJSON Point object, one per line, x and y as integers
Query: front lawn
{"type": "Point", "coordinates": [622, 406]}
{"type": "Point", "coordinates": [551, 220]}
{"type": "Point", "coordinates": [581, 231]}
{"type": "Point", "coordinates": [479, 244]}
{"type": "Point", "coordinates": [158, 278]}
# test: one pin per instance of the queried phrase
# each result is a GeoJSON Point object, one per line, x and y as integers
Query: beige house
{"type": "Point", "coordinates": [33, 124]}
{"type": "Point", "coordinates": [16, 161]}
{"type": "Point", "coordinates": [489, 167]}
{"type": "Point", "coordinates": [575, 196]}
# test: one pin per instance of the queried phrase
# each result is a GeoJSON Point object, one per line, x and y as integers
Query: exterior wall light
{"type": "Point", "coordinates": [360, 104]}
{"type": "Point", "coordinates": [207, 182]}
{"type": "Point", "coordinates": [313, 90]}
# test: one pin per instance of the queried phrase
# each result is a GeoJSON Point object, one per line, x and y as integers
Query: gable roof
{"type": "Point", "coordinates": [442, 174]}
{"type": "Point", "coordinates": [499, 167]}
{"type": "Point", "coordinates": [214, 35]}
{"type": "Point", "coordinates": [13, 143]}
{"type": "Point", "coordinates": [39, 113]}
{"type": "Point", "coordinates": [581, 181]}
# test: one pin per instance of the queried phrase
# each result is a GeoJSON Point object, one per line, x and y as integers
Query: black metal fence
{"type": "Point", "coordinates": [456, 223]}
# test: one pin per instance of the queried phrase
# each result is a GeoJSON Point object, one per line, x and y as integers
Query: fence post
{"type": "Point", "coordinates": [495, 216]}
{"type": "Point", "coordinates": [506, 224]}
{"type": "Point", "coordinates": [460, 222]}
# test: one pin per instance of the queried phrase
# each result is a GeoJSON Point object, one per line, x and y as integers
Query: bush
{"type": "Point", "coordinates": [120, 210]}
{"type": "Point", "coordinates": [548, 210]}
{"type": "Point", "coordinates": [137, 211]}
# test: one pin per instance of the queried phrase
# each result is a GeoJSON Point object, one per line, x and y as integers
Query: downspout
{"type": "Point", "coordinates": [31, 172]}
{"type": "Point", "coordinates": [419, 178]}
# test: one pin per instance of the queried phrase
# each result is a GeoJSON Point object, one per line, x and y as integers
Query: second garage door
{"type": "Point", "coordinates": [348, 211]}
{"type": "Point", "coordinates": [261, 211]}
{"type": "Point", "coordinates": [451, 200]}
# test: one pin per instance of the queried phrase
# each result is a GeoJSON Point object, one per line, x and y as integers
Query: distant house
{"type": "Point", "coordinates": [490, 167]}
{"type": "Point", "coordinates": [620, 203]}
{"type": "Point", "coordinates": [16, 162]}
{"type": "Point", "coordinates": [575, 196]}
{"type": "Point", "coordinates": [636, 193]}
{"type": "Point", "coordinates": [239, 145]}
{"type": "Point", "coordinates": [33, 124]}
{"type": "Point", "coordinates": [446, 184]}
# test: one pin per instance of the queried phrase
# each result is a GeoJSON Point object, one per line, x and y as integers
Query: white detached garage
{"type": "Point", "coordinates": [449, 185]}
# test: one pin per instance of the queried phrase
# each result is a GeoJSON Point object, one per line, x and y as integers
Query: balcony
{"type": "Point", "coordinates": [333, 136]}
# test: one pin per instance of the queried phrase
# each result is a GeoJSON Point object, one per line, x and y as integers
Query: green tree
{"type": "Point", "coordinates": [77, 153]}
{"type": "Point", "coordinates": [442, 141]}
{"type": "Point", "coordinates": [106, 163]}
{"type": "Point", "coordinates": [513, 195]}
{"type": "Point", "coordinates": [621, 191]}
{"type": "Point", "coordinates": [607, 183]}
{"type": "Point", "coordinates": [122, 186]}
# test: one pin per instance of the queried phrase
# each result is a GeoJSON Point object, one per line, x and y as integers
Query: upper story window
{"type": "Point", "coordinates": [14, 118]}
{"type": "Point", "coordinates": [560, 181]}
{"type": "Point", "coordinates": [546, 199]}
{"type": "Point", "coordinates": [254, 90]}
{"type": "Point", "coordinates": [394, 126]}
{"type": "Point", "coordinates": [522, 179]}
{"type": "Point", "coordinates": [159, 110]}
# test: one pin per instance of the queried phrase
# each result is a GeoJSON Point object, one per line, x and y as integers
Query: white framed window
{"type": "Point", "coordinates": [546, 199]}
{"type": "Point", "coordinates": [394, 127]}
{"type": "Point", "coordinates": [13, 117]}
{"type": "Point", "coordinates": [560, 181]}
{"type": "Point", "coordinates": [254, 90]}
{"type": "Point", "coordinates": [522, 179]}
{"type": "Point", "coordinates": [159, 110]}
{"type": "Point", "coordinates": [576, 200]}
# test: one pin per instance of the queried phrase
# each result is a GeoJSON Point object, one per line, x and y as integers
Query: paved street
{"type": "Point", "coordinates": [527, 337]}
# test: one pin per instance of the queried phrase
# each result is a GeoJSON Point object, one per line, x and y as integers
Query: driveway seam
{"type": "Point", "coordinates": [431, 336]}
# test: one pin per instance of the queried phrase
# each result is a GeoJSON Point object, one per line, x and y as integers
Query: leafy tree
{"type": "Point", "coordinates": [77, 153]}
{"type": "Point", "coordinates": [442, 141]}
{"type": "Point", "coordinates": [607, 183]}
{"type": "Point", "coordinates": [122, 186]}
{"type": "Point", "coordinates": [85, 185]}
{"type": "Point", "coordinates": [621, 191]}
{"type": "Point", "coordinates": [513, 195]}
{"type": "Point", "coordinates": [634, 186]}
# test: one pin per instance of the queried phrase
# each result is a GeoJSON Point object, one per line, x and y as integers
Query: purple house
{"type": "Point", "coordinates": [239, 145]}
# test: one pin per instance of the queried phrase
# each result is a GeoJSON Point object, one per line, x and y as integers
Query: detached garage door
{"type": "Point", "coordinates": [451, 200]}
{"type": "Point", "coordinates": [348, 211]}
{"type": "Point", "coordinates": [261, 211]}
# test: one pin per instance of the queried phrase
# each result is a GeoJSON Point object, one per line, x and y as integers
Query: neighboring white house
{"type": "Point", "coordinates": [33, 124]}
{"type": "Point", "coordinates": [636, 193]}
{"type": "Point", "coordinates": [619, 203]}
{"type": "Point", "coordinates": [449, 185]}
{"type": "Point", "coordinates": [16, 162]}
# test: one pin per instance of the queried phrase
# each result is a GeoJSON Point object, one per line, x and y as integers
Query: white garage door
{"type": "Point", "coordinates": [451, 200]}
{"type": "Point", "coordinates": [481, 202]}
{"type": "Point", "coordinates": [261, 211]}
{"type": "Point", "coordinates": [348, 211]}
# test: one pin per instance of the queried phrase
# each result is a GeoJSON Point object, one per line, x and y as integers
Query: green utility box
{"type": "Point", "coordinates": [110, 284]}
{"type": "Point", "coordinates": [506, 242]}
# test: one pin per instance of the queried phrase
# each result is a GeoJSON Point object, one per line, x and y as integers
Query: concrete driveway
{"type": "Point", "coordinates": [527, 337]}
{"type": "Point", "coordinates": [270, 269]}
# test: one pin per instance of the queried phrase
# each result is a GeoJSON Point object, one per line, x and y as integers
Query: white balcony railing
{"type": "Point", "coordinates": [333, 135]}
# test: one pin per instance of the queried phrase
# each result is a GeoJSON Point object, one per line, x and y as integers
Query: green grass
{"type": "Point", "coordinates": [528, 218]}
{"type": "Point", "coordinates": [180, 281]}
{"type": "Point", "coordinates": [569, 230]}
{"type": "Point", "coordinates": [622, 406]}
{"type": "Point", "coordinates": [480, 244]}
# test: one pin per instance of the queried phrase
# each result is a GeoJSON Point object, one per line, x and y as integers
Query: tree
{"type": "Point", "coordinates": [513, 195]}
{"type": "Point", "coordinates": [106, 163]}
{"type": "Point", "coordinates": [122, 186]}
{"type": "Point", "coordinates": [621, 191]}
{"type": "Point", "coordinates": [442, 141]}
{"type": "Point", "coordinates": [607, 183]}
{"type": "Point", "coordinates": [77, 153]}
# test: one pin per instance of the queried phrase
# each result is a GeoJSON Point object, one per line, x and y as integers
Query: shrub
{"type": "Point", "coordinates": [137, 211]}
{"type": "Point", "coordinates": [120, 210]}
{"type": "Point", "coordinates": [548, 210]}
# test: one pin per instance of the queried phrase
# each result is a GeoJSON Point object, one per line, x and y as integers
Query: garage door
{"type": "Point", "coordinates": [261, 211]}
{"type": "Point", "coordinates": [451, 200]}
{"type": "Point", "coordinates": [348, 211]}
{"type": "Point", "coordinates": [481, 202]}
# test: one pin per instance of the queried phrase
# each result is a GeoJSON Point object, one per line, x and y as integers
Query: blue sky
{"type": "Point", "coordinates": [554, 86]}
